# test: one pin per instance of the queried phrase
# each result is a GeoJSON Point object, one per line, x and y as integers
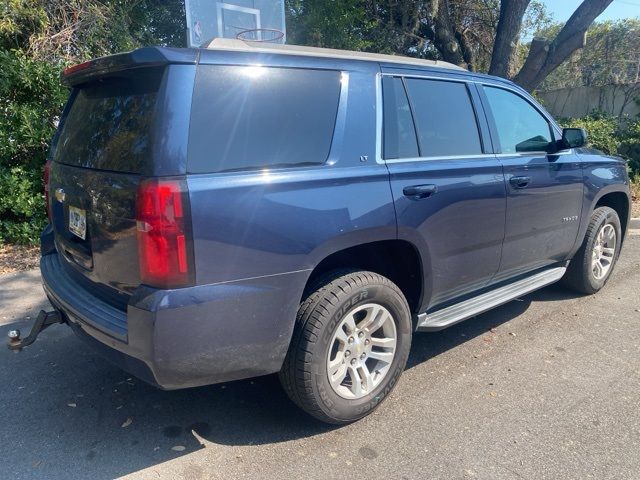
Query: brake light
{"type": "Point", "coordinates": [45, 180]}
{"type": "Point", "coordinates": [76, 68]}
{"type": "Point", "coordinates": [164, 235]}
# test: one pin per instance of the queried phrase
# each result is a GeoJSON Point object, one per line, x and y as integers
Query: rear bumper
{"type": "Point", "coordinates": [185, 337]}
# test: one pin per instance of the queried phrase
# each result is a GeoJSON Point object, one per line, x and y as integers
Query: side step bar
{"type": "Point", "coordinates": [431, 322]}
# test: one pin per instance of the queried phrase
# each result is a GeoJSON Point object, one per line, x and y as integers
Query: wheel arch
{"type": "Point", "coordinates": [619, 201]}
{"type": "Point", "coordinates": [398, 260]}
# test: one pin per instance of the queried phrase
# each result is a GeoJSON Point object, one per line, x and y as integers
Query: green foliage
{"type": "Point", "coordinates": [341, 24]}
{"type": "Point", "coordinates": [630, 147]}
{"type": "Point", "coordinates": [603, 131]}
{"type": "Point", "coordinates": [38, 38]}
{"type": "Point", "coordinates": [31, 98]}
{"type": "Point", "coordinates": [22, 215]}
{"type": "Point", "coordinates": [612, 136]}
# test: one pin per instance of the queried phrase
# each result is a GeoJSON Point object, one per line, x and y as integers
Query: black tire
{"type": "Point", "coordinates": [304, 374]}
{"type": "Point", "coordinates": [580, 274]}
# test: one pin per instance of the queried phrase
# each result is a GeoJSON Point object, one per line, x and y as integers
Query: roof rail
{"type": "Point", "coordinates": [235, 45]}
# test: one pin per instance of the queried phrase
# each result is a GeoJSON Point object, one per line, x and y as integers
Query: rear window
{"type": "Point", "coordinates": [108, 125]}
{"type": "Point", "coordinates": [246, 117]}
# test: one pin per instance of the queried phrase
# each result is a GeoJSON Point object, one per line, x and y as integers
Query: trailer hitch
{"type": "Point", "coordinates": [44, 320]}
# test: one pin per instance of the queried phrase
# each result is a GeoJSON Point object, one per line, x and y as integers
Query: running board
{"type": "Point", "coordinates": [448, 316]}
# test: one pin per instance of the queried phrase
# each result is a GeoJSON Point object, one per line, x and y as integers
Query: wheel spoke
{"type": "Point", "coordinates": [341, 336]}
{"type": "Point", "coordinates": [366, 377]}
{"type": "Point", "coordinates": [386, 357]}
{"type": "Point", "coordinates": [383, 342]}
{"type": "Point", "coordinates": [350, 323]}
{"type": "Point", "coordinates": [356, 381]}
{"type": "Point", "coordinates": [609, 233]}
{"type": "Point", "coordinates": [372, 313]}
{"type": "Point", "coordinates": [597, 269]}
{"type": "Point", "coordinates": [337, 377]}
{"type": "Point", "coordinates": [336, 362]}
{"type": "Point", "coordinates": [375, 320]}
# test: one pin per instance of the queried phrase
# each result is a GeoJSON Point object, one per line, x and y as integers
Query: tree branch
{"type": "Point", "coordinates": [569, 39]}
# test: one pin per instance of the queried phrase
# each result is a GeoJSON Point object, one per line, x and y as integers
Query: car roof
{"type": "Point", "coordinates": [235, 45]}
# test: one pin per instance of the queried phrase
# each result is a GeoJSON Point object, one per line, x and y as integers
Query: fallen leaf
{"type": "Point", "coordinates": [178, 448]}
{"type": "Point", "coordinates": [72, 405]}
{"type": "Point", "coordinates": [127, 422]}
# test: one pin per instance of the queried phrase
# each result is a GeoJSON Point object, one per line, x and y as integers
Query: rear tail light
{"type": "Point", "coordinates": [164, 233]}
{"type": "Point", "coordinates": [46, 172]}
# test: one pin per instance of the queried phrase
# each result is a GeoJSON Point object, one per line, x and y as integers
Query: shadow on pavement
{"type": "Point", "coordinates": [429, 345]}
{"type": "Point", "coordinates": [67, 411]}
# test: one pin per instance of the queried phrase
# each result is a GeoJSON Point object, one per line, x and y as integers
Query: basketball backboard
{"type": "Point", "coordinates": [258, 20]}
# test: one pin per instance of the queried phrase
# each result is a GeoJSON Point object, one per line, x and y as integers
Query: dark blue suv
{"type": "Point", "coordinates": [240, 210]}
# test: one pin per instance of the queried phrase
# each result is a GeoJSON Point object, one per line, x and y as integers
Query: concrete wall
{"type": "Point", "coordinates": [580, 101]}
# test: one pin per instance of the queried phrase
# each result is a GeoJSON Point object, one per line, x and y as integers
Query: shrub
{"type": "Point", "coordinates": [612, 136]}
{"type": "Point", "coordinates": [630, 148]}
{"type": "Point", "coordinates": [31, 98]}
{"type": "Point", "coordinates": [602, 131]}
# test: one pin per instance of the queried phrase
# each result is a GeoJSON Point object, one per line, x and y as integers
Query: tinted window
{"type": "Point", "coordinates": [399, 137]}
{"type": "Point", "coordinates": [521, 128]}
{"type": "Point", "coordinates": [256, 117]}
{"type": "Point", "coordinates": [108, 125]}
{"type": "Point", "coordinates": [445, 119]}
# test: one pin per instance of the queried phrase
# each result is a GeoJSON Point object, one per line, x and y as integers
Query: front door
{"type": "Point", "coordinates": [544, 191]}
{"type": "Point", "coordinates": [448, 187]}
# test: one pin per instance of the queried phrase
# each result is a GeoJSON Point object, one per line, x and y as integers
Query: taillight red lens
{"type": "Point", "coordinates": [164, 234]}
{"type": "Point", "coordinates": [45, 180]}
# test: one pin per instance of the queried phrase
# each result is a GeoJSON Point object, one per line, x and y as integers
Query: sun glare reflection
{"type": "Point", "coordinates": [254, 71]}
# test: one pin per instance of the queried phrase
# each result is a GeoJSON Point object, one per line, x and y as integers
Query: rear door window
{"type": "Point", "coordinates": [247, 117]}
{"type": "Point", "coordinates": [445, 119]}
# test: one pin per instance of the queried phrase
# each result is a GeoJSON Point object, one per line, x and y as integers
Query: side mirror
{"type": "Point", "coordinates": [574, 137]}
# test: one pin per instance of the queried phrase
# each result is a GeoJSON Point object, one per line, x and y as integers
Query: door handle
{"type": "Point", "coordinates": [417, 192]}
{"type": "Point", "coordinates": [520, 182]}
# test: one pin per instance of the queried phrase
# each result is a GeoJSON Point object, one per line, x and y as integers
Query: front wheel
{"type": "Point", "coordinates": [592, 265]}
{"type": "Point", "coordinates": [350, 345]}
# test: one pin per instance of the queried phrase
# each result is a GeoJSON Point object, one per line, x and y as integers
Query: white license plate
{"type": "Point", "coordinates": [78, 222]}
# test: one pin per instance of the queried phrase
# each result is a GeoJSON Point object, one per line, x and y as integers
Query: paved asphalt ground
{"type": "Point", "coordinates": [546, 387]}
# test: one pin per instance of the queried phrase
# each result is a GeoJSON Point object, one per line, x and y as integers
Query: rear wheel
{"type": "Point", "coordinates": [592, 265]}
{"type": "Point", "coordinates": [350, 346]}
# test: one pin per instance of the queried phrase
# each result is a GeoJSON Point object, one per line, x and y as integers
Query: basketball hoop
{"type": "Point", "coordinates": [272, 35]}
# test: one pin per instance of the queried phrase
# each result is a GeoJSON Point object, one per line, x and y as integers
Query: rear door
{"type": "Point", "coordinates": [111, 136]}
{"type": "Point", "coordinates": [447, 185]}
{"type": "Point", "coordinates": [545, 191]}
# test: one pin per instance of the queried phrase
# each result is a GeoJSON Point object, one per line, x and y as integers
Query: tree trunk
{"type": "Point", "coordinates": [509, 24]}
{"type": "Point", "coordinates": [545, 56]}
{"type": "Point", "coordinates": [444, 36]}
